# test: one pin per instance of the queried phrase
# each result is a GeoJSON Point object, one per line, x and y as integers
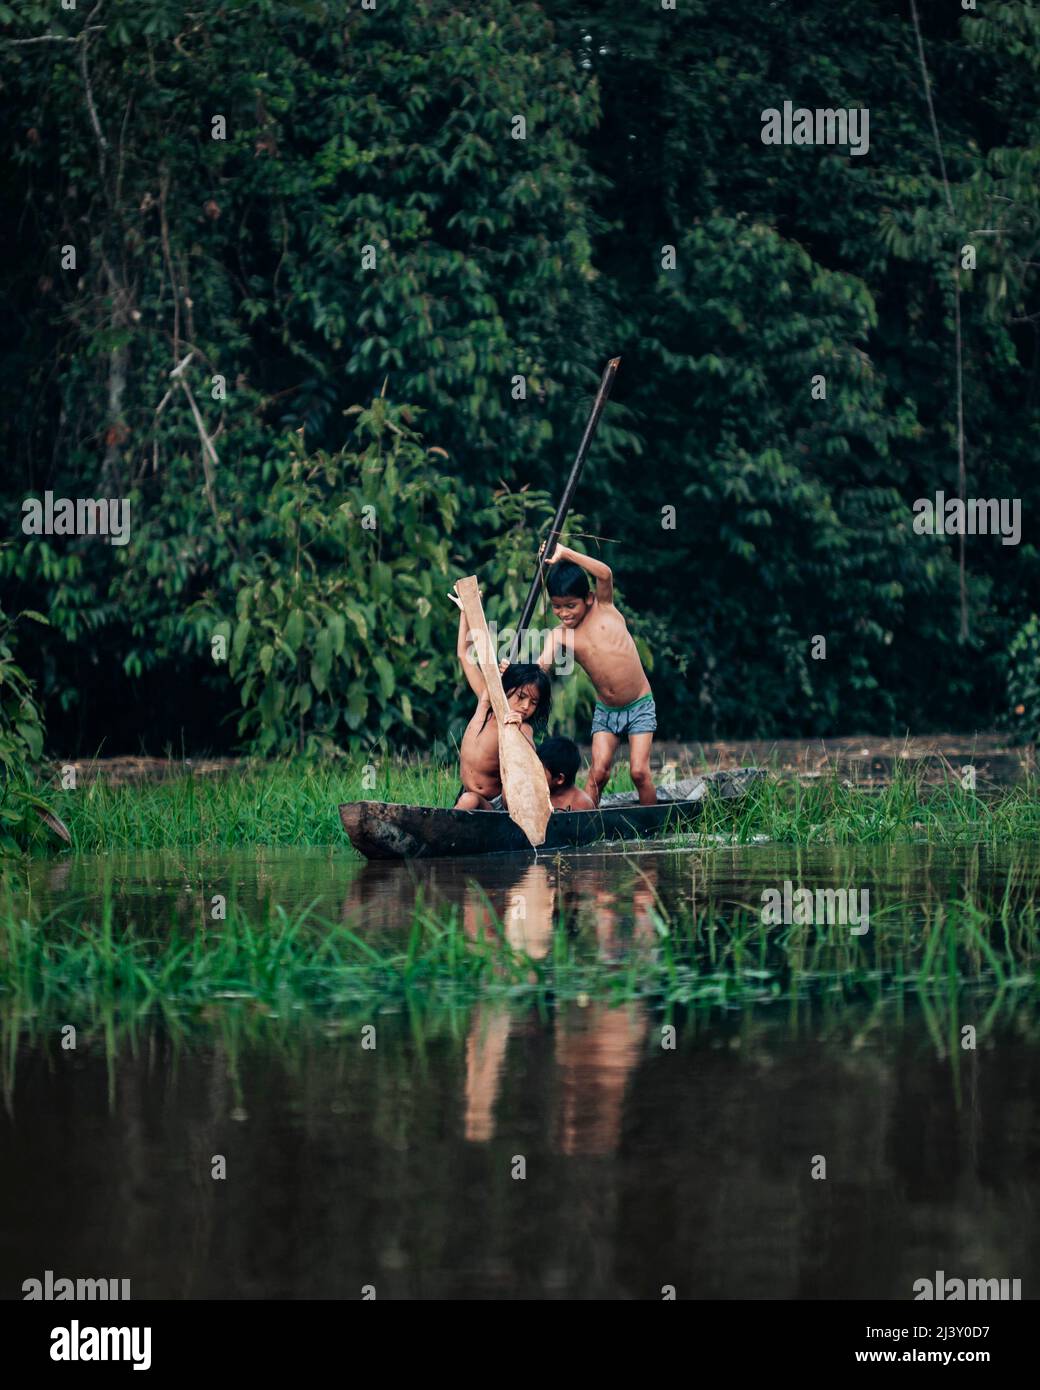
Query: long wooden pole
{"type": "Point", "coordinates": [524, 788]}
{"type": "Point", "coordinates": [606, 382]}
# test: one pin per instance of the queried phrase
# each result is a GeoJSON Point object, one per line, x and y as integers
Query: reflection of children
{"type": "Point", "coordinates": [603, 646]}
{"type": "Point", "coordinates": [528, 694]}
{"type": "Point", "coordinates": [597, 1049]}
{"type": "Point", "coordinates": [561, 760]}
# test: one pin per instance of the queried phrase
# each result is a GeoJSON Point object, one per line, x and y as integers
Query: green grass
{"type": "Point", "coordinates": [830, 811]}
{"type": "Point", "coordinates": [271, 804]}
{"type": "Point", "coordinates": [78, 967]}
{"type": "Point", "coordinates": [294, 804]}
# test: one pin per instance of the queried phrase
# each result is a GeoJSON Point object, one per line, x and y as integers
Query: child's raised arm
{"type": "Point", "coordinates": [470, 669]}
{"type": "Point", "coordinates": [599, 571]}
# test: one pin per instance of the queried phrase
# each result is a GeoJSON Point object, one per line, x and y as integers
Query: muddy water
{"type": "Point", "coordinates": [642, 1166]}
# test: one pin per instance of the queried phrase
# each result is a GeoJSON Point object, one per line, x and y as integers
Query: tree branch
{"type": "Point", "coordinates": [962, 474]}
{"type": "Point", "coordinates": [210, 458]}
{"type": "Point", "coordinates": [54, 38]}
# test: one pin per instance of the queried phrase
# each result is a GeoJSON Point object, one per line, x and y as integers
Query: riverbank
{"type": "Point", "coordinates": [295, 804]}
{"type": "Point", "coordinates": [864, 758]}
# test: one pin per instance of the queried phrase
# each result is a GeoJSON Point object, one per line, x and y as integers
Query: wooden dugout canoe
{"type": "Point", "coordinates": [383, 830]}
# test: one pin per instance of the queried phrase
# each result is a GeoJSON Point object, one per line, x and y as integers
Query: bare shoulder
{"type": "Point", "coordinates": [609, 614]}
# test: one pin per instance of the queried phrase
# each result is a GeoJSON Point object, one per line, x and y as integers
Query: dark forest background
{"type": "Point", "coordinates": [326, 385]}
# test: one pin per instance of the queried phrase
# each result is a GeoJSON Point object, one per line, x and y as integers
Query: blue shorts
{"type": "Point", "coordinates": [640, 717]}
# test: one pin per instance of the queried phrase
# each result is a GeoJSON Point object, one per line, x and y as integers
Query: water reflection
{"type": "Point", "coordinates": [619, 893]}
{"type": "Point", "coordinates": [597, 1049]}
{"type": "Point", "coordinates": [646, 1164]}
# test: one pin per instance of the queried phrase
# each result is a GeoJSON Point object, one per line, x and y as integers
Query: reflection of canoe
{"type": "Point", "coordinates": [382, 830]}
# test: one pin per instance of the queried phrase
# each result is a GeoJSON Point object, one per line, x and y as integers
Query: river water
{"type": "Point", "coordinates": [825, 1136]}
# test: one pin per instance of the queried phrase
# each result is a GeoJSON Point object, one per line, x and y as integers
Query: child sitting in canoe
{"type": "Point", "coordinates": [528, 694]}
{"type": "Point", "coordinates": [561, 760]}
{"type": "Point", "coordinates": [603, 647]}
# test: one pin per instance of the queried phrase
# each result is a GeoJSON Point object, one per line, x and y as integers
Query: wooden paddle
{"type": "Point", "coordinates": [524, 787]}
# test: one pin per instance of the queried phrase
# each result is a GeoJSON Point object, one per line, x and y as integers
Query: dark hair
{"type": "Point", "coordinates": [561, 755]}
{"type": "Point", "coordinates": [527, 673]}
{"type": "Point", "coordinates": [567, 580]}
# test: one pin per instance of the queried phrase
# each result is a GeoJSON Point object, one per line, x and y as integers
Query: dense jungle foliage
{"type": "Point", "coordinates": [274, 269]}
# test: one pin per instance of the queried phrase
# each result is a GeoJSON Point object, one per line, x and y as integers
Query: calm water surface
{"type": "Point", "coordinates": [644, 1166]}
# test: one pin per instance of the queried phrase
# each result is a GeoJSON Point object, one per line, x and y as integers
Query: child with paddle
{"type": "Point", "coordinates": [603, 647]}
{"type": "Point", "coordinates": [529, 697]}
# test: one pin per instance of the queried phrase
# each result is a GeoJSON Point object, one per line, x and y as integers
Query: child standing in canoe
{"type": "Point", "coordinates": [603, 647]}
{"type": "Point", "coordinates": [528, 694]}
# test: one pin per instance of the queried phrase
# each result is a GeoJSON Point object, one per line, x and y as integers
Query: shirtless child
{"type": "Point", "coordinates": [528, 694]}
{"type": "Point", "coordinates": [603, 647]}
{"type": "Point", "coordinates": [561, 760]}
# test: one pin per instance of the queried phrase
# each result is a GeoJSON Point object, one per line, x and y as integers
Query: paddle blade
{"type": "Point", "coordinates": [524, 787]}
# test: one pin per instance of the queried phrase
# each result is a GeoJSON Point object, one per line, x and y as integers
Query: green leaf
{"type": "Point", "coordinates": [238, 646]}
{"type": "Point", "coordinates": [357, 706]}
{"type": "Point", "coordinates": [293, 633]}
{"type": "Point", "coordinates": [358, 619]}
{"type": "Point", "coordinates": [272, 701]}
{"type": "Point", "coordinates": [32, 737]}
{"type": "Point", "coordinates": [323, 652]}
{"type": "Point", "coordinates": [385, 672]}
